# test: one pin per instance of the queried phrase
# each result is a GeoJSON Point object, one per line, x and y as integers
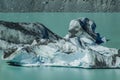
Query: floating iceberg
{"type": "Point", "coordinates": [32, 44]}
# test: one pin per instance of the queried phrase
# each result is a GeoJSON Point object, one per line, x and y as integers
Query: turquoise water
{"type": "Point", "coordinates": [108, 24]}
{"type": "Point", "coordinates": [56, 73]}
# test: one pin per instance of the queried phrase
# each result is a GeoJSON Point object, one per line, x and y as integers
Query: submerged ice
{"type": "Point", "coordinates": [37, 46]}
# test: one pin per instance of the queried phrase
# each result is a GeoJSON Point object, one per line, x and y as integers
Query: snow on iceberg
{"type": "Point", "coordinates": [79, 48]}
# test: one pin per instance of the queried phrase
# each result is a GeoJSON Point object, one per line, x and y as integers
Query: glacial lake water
{"type": "Point", "coordinates": [108, 24]}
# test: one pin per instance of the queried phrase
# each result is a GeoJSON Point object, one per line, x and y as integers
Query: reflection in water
{"type": "Point", "coordinates": [57, 73]}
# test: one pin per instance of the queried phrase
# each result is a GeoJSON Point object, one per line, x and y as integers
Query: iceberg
{"type": "Point", "coordinates": [33, 44]}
